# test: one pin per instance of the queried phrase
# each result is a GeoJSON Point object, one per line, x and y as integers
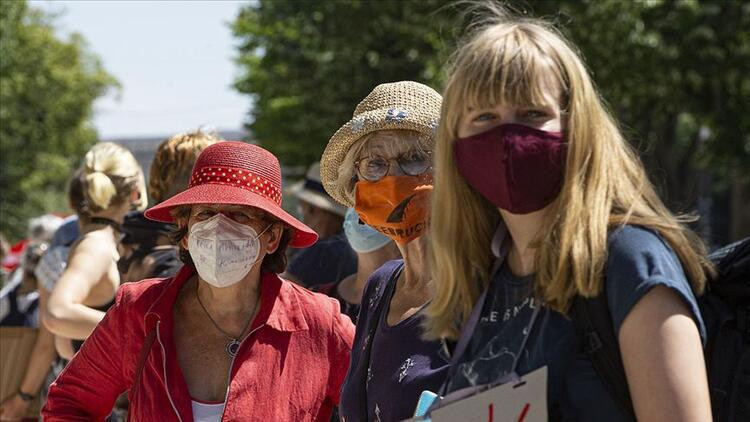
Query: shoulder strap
{"type": "Point", "coordinates": [593, 323]}
{"type": "Point", "coordinates": [467, 332]}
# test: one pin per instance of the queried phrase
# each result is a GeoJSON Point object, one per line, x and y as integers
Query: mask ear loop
{"type": "Point", "coordinates": [264, 230]}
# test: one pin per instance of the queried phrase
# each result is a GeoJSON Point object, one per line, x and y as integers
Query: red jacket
{"type": "Point", "coordinates": [289, 369]}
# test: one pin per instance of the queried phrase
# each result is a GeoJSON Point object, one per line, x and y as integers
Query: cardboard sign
{"type": "Point", "coordinates": [524, 401]}
{"type": "Point", "coordinates": [16, 344]}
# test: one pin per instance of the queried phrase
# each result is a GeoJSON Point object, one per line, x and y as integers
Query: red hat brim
{"type": "Point", "coordinates": [209, 193]}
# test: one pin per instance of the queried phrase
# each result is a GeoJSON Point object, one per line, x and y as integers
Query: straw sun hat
{"type": "Point", "coordinates": [398, 105]}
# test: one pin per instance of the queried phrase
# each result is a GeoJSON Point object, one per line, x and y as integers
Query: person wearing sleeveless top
{"type": "Point", "coordinates": [112, 184]}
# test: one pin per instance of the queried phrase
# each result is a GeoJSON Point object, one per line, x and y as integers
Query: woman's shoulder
{"type": "Point", "coordinates": [639, 259]}
{"type": "Point", "coordinates": [379, 279]}
{"type": "Point", "coordinates": [143, 292]}
{"type": "Point", "coordinates": [630, 241]}
{"type": "Point", "coordinates": [321, 313]}
{"type": "Point", "coordinates": [313, 304]}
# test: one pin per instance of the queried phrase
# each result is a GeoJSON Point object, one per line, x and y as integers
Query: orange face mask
{"type": "Point", "coordinates": [397, 206]}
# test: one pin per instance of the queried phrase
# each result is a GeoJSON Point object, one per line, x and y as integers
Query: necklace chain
{"type": "Point", "coordinates": [227, 335]}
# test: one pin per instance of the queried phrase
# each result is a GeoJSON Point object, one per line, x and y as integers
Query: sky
{"type": "Point", "coordinates": [174, 60]}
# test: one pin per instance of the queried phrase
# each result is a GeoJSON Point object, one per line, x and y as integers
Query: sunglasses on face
{"type": "Point", "coordinates": [412, 163]}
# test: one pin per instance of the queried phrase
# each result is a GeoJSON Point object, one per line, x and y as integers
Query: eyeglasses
{"type": "Point", "coordinates": [375, 167]}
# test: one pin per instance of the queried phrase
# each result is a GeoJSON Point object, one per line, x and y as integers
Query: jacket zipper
{"type": "Point", "coordinates": [164, 368]}
{"type": "Point", "coordinates": [231, 366]}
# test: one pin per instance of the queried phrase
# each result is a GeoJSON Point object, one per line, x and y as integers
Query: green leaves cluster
{"type": "Point", "coordinates": [307, 64]}
{"type": "Point", "coordinates": [676, 73]}
{"type": "Point", "coordinates": [47, 88]}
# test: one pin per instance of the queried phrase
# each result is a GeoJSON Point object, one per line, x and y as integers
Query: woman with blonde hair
{"type": "Point", "coordinates": [539, 200]}
{"type": "Point", "coordinates": [380, 164]}
{"type": "Point", "coordinates": [112, 184]}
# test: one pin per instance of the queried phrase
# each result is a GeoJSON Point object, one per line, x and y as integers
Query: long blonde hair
{"type": "Point", "coordinates": [509, 61]}
{"type": "Point", "coordinates": [109, 173]}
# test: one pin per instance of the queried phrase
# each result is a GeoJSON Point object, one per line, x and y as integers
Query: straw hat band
{"type": "Point", "coordinates": [238, 178]}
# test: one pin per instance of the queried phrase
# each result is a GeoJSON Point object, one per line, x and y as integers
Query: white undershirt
{"type": "Point", "coordinates": [203, 412]}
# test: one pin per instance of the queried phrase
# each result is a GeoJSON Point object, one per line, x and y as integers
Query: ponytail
{"type": "Point", "coordinates": [107, 177]}
{"type": "Point", "coordinates": [99, 190]}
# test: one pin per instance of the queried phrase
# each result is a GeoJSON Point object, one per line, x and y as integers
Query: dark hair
{"type": "Point", "coordinates": [275, 262]}
{"type": "Point", "coordinates": [76, 197]}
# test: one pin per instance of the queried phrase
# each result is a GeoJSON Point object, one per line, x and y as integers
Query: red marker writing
{"type": "Point", "coordinates": [524, 412]}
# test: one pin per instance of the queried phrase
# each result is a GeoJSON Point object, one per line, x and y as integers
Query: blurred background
{"type": "Point", "coordinates": [287, 74]}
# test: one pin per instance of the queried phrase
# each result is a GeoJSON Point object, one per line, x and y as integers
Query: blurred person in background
{"type": "Point", "coordinates": [373, 250]}
{"type": "Point", "coordinates": [331, 259]}
{"type": "Point", "coordinates": [146, 250]}
{"type": "Point", "coordinates": [143, 253]}
{"type": "Point", "coordinates": [225, 338]}
{"type": "Point", "coordinates": [4, 248]}
{"type": "Point", "coordinates": [380, 163]}
{"type": "Point", "coordinates": [19, 298]}
{"type": "Point", "coordinates": [112, 184]}
{"type": "Point", "coordinates": [28, 296]}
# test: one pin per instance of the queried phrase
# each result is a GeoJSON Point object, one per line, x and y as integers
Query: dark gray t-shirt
{"type": "Point", "coordinates": [638, 260]}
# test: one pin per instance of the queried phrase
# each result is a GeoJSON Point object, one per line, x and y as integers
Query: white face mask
{"type": "Point", "coordinates": [223, 250]}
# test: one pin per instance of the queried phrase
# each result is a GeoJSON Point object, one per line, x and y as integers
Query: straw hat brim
{"type": "Point", "coordinates": [209, 193]}
{"type": "Point", "coordinates": [352, 131]}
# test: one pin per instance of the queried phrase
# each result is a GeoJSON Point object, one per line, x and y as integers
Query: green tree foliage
{"type": "Point", "coordinates": [675, 73]}
{"type": "Point", "coordinates": [307, 64]}
{"type": "Point", "coordinates": [47, 87]}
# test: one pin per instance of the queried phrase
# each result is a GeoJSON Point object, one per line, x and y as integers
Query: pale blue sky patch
{"type": "Point", "coordinates": [174, 60]}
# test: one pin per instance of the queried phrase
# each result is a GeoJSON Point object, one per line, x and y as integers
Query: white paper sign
{"type": "Point", "coordinates": [524, 401]}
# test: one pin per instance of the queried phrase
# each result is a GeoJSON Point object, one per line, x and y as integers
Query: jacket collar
{"type": "Point", "coordinates": [279, 305]}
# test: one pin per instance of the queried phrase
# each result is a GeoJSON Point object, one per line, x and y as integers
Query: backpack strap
{"type": "Point", "coordinates": [593, 322]}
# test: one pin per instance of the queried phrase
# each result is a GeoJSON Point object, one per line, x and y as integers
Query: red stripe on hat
{"type": "Point", "coordinates": [231, 176]}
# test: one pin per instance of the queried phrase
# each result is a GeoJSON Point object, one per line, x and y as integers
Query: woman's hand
{"type": "Point", "coordinates": [13, 408]}
{"type": "Point", "coordinates": [663, 358]}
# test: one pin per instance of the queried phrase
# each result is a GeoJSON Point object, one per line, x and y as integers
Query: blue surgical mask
{"type": "Point", "coordinates": [362, 237]}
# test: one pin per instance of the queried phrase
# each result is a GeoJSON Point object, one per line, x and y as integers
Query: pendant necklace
{"type": "Point", "coordinates": [234, 342]}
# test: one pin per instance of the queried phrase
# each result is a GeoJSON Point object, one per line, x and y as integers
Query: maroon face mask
{"type": "Point", "coordinates": [517, 168]}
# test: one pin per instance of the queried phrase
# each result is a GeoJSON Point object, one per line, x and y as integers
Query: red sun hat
{"type": "Point", "coordinates": [236, 173]}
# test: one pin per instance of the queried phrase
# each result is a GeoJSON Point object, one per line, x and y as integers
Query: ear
{"type": "Point", "coordinates": [135, 195]}
{"type": "Point", "coordinates": [274, 238]}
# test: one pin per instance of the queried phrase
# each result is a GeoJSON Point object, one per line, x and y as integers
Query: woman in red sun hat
{"type": "Point", "coordinates": [225, 338]}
